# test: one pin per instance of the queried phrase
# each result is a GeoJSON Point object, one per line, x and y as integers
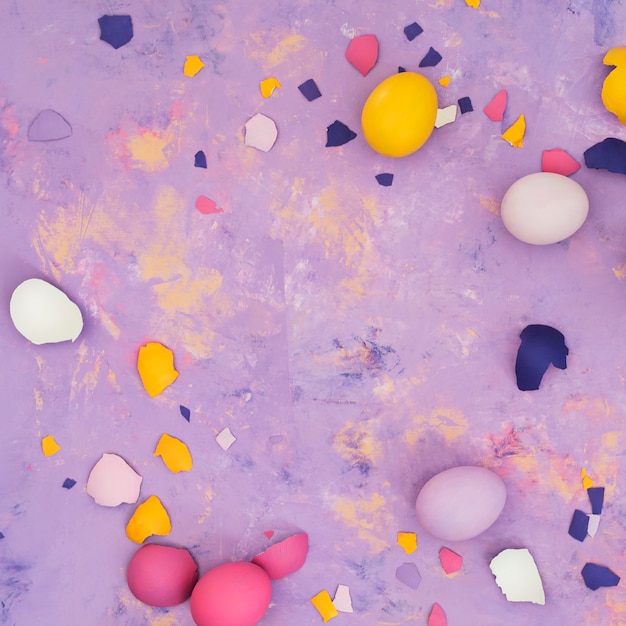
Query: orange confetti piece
{"type": "Point", "coordinates": [49, 446]}
{"type": "Point", "coordinates": [444, 81]}
{"type": "Point", "coordinates": [155, 365]}
{"type": "Point", "coordinates": [407, 541]}
{"type": "Point", "coordinates": [149, 518]}
{"type": "Point", "coordinates": [514, 134]}
{"type": "Point", "coordinates": [175, 454]}
{"type": "Point", "coordinates": [268, 86]}
{"type": "Point", "coordinates": [324, 605]}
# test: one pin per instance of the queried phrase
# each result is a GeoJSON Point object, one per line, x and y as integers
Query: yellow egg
{"type": "Point", "coordinates": [614, 87]}
{"type": "Point", "coordinates": [399, 115]}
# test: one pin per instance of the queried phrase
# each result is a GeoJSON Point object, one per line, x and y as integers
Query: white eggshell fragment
{"type": "Point", "coordinates": [261, 132]}
{"type": "Point", "coordinates": [43, 313]}
{"type": "Point", "coordinates": [544, 208]}
{"type": "Point", "coordinates": [113, 482]}
{"type": "Point", "coordinates": [460, 503]}
{"type": "Point", "coordinates": [517, 575]}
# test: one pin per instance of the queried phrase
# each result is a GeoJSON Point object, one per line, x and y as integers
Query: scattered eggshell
{"type": "Point", "coordinates": [450, 561]}
{"type": "Point", "coordinates": [149, 518]}
{"type": "Point", "coordinates": [285, 557]}
{"type": "Point", "coordinates": [444, 81]}
{"type": "Point", "coordinates": [517, 575]}
{"type": "Point", "coordinates": [558, 161]}
{"type": "Point", "coordinates": [362, 53]}
{"type": "Point", "coordinates": [161, 575]}
{"type": "Point", "coordinates": [155, 364]}
{"type": "Point", "coordinates": [49, 126]}
{"type": "Point", "coordinates": [43, 313]}
{"type": "Point", "coordinates": [232, 594]}
{"type": "Point", "coordinates": [514, 134]}
{"type": "Point", "coordinates": [614, 86]}
{"type": "Point", "coordinates": [324, 605]}
{"type": "Point", "coordinates": [408, 574]}
{"type": "Point", "coordinates": [594, 524]}
{"type": "Point", "coordinates": [460, 503]}
{"type": "Point", "coordinates": [495, 109]}
{"type": "Point", "coordinates": [342, 600]}
{"type": "Point", "coordinates": [544, 208]}
{"type": "Point", "coordinates": [193, 64]}
{"type": "Point", "coordinates": [175, 454]}
{"type": "Point", "coordinates": [437, 616]}
{"type": "Point", "coordinates": [225, 438]}
{"type": "Point", "coordinates": [268, 86]}
{"type": "Point", "coordinates": [445, 116]}
{"type": "Point", "coordinates": [261, 132]}
{"type": "Point", "coordinates": [49, 446]}
{"type": "Point", "coordinates": [113, 482]}
{"type": "Point", "coordinates": [407, 541]}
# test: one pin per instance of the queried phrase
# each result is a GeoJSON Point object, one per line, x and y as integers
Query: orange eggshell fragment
{"type": "Point", "coordinates": [232, 594]}
{"type": "Point", "coordinates": [175, 454]}
{"type": "Point", "coordinates": [155, 365]}
{"type": "Point", "coordinates": [149, 518]}
{"type": "Point", "coordinates": [161, 575]}
{"type": "Point", "coordinates": [285, 557]}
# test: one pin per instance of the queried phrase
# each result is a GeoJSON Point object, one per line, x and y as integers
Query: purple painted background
{"type": "Point", "coordinates": [356, 339]}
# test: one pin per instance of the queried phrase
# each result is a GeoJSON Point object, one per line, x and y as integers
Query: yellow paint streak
{"type": "Point", "coordinates": [284, 45]}
{"type": "Point", "coordinates": [448, 422]}
{"type": "Point", "coordinates": [146, 151]}
{"type": "Point", "coordinates": [109, 325]}
{"type": "Point", "coordinates": [357, 445]}
{"type": "Point", "coordinates": [620, 271]}
{"type": "Point", "coordinates": [490, 204]}
{"type": "Point", "coordinates": [113, 381]}
{"type": "Point", "coordinates": [38, 397]}
{"type": "Point", "coordinates": [164, 620]}
{"type": "Point", "coordinates": [370, 518]}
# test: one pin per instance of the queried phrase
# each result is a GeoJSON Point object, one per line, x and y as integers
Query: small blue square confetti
{"type": "Point", "coordinates": [185, 412]}
{"type": "Point", "coordinates": [199, 159]}
{"type": "Point", "coordinates": [1, 536]}
{"type": "Point", "coordinates": [116, 30]}
{"type": "Point", "coordinates": [385, 180]}
{"type": "Point", "coordinates": [413, 30]}
{"type": "Point", "coordinates": [68, 483]}
{"type": "Point", "coordinates": [596, 498]}
{"type": "Point", "coordinates": [465, 105]}
{"type": "Point", "coordinates": [431, 59]}
{"type": "Point", "coordinates": [338, 134]}
{"type": "Point", "coordinates": [310, 90]}
{"type": "Point", "coordinates": [401, 69]}
{"type": "Point", "coordinates": [579, 525]}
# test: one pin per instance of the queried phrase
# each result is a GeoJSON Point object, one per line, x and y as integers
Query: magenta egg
{"type": "Point", "coordinates": [232, 594]}
{"type": "Point", "coordinates": [161, 575]}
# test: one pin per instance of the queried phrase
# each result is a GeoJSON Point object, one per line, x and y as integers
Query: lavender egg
{"type": "Point", "coordinates": [460, 503]}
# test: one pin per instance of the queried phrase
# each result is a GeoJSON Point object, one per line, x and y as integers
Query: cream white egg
{"type": "Point", "coordinates": [544, 208]}
{"type": "Point", "coordinates": [43, 313]}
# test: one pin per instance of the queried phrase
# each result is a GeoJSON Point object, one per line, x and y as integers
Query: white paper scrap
{"type": "Point", "coordinates": [113, 482]}
{"type": "Point", "coordinates": [517, 575]}
{"type": "Point", "coordinates": [342, 600]}
{"type": "Point", "coordinates": [594, 523]}
{"type": "Point", "coordinates": [261, 132]}
{"type": "Point", "coordinates": [445, 116]}
{"type": "Point", "coordinates": [226, 438]}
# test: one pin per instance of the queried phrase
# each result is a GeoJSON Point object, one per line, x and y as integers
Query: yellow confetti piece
{"type": "Point", "coordinates": [193, 64]}
{"type": "Point", "coordinates": [49, 446]}
{"type": "Point", "coordinates": [407, 541]}
{"type": "Point", "coordinates": [268, 85]}
{"type": "Point", "coordinates": [587, 482]}
{"type": "Point", "coordinates": [324, 605]}
{"type": "Point", "coordinates": [149, 518]}
{"type": "Point", "coordinates": [444, 81]}
{"type": "Point", "coordinates": [473, 3]}
{"type": "Point", "coordinates": [514, 134]}
{"type": "Point", "coordinates": [175, 454]}
{"type": "Point", "coordinates": [155, 365]}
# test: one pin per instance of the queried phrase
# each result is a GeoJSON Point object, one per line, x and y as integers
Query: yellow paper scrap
{"type": "Point", "coordinates": [407, 541]}
{"type": "Point", "coordinates": [268, 85]}
{"type": "Point", "coordinates": [514, 134]}
{"type": "Point", "coordinates": [473, 3]}
{"type": "Point", "coordinates": [614, 86]}
{"type": "Point", "coordinates": [175, 454]}
{"type": "Point", "coordinates": [193, 64]}
{"type": "Point", "coordinates": [49, 446]}
{"type": "Point", "coordinates": [155, 365]}
{"type": "Point", "coordinates": [587, 482]}
{"type": "Point", "coordinates": [444, 81]}
{"type": "Point", "coordinates": [324, 605]}
{"type": "Point", "coordinates": [149, 518]}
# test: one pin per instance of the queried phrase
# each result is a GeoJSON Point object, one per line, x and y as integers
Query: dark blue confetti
{"type": "Point", "coordinates": [596, 497]}
{"type": "Point", "coordinates": [579, 525]}
{"type": "Point", "coordinates": [401, 69]}
{"type": "Point", "coordinates": [609, 154]}
{"type": "Point", "coordinates": [431, 59]}
{"type": "Point", "coordinates": [200, 159]}
{"type": "Point", "coordinates": [385, 180]}
{"type": "Point", "coordinates": [1, 536]}
{"type": "Point", "coordinates": [185, 412]}
{"type": "Point", "coordinates": [310, 90]}
{"type": "Point", "coordinates": [68, 483]}
{"type": "Point", "coordinates": [596, 576]}
{"type": "Point", "coordinates": [338, 134]}
{"type": "Point", "coordinates": [116, 30]}
{"type": "Point", "coordinates": [413, 30]}
{"type": "Point", "coordinates": [465, 105]}
{"type": "Point", "coordinates": [541, 345]}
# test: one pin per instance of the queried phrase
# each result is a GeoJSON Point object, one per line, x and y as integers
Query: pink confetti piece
{"type": "Point", "coordinates": [437, 617]}
{"type": "Point", "coordinates": [450, 561]}
{"type": "Point", "coordinates": [558, 161]}
{"type": "Point", "coordinates": [495, 109]}
{"type": "Point", "coordinates": [207, 206]}
{"type": "Point", "coordinates": [362, 53]}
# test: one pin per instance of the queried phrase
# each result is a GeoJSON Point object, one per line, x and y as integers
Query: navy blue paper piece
{"type": "Point", "coordinates": [465, 105]}
{"type": "Point", "coordinates": [68, 483]}
{"type": "Point", "coordinates": [1, 536]}
{"type": "Point", "coordinates": [401, 69]}
{"type": "Point", "coordinates": [609, 154]}
{"type": "Point", "coordinates": [199, 159]}
{"type": "Point", "coordinates": [596, 497]}
{"type": "Point", "coordinates": [431, 59]}
{"type": "Point", "coordinates": [579, 525]}
{"type": "Point", "coordinates": [310, 90]}
{"type": "Point", "coordinates": [384, 179]}
{"type": "Point", "coordinates": [596, 576]}
{"type": "Point", "coordinates": [185, 412]}
{"type": "Point", "coordinates": [338, 134]}
{"type": "Point", "coordinates": [541, 345]}
{"type": "Point", "coordinates": [116, 30]}
{"type": "Point", "coordinates": [413, 30]}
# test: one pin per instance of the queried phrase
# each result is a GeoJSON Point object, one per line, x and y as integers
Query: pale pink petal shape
{"type": "Point", "coordinates": [113, 482]}
{"type": "Point", "coordinates": [495, 109]}
{"type": "Point", "coordinates": [437, 616]}
{"type": "Point", "coordinates": [285, 557]}
{"type": "Point", "coordinates": [362, 53]}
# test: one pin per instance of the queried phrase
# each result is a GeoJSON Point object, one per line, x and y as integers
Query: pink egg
{"type": "Point", "coordinates": [460, 503]}
{"type": "Point", "coordinates": [284, 557]}
{"type": "Point", "coordinates": [233, 594]}
{"type": "Point", "coordinates": [161, 575]}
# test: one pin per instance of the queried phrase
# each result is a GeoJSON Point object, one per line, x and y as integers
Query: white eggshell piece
{"type": "Point", "coordinates": [517, 575]}
{"type": "Point", "coordinates": [113, 482]}
{"type": "Point", "coordinates": [460, 503]}
{"type": "Point", "coordinates": [43, 313]}
{"type": "Point", "coordinates": [261, 132]}
{"type": "Point", "coordinates": [544, 208]}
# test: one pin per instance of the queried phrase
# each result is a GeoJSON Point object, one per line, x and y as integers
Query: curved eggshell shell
{"type": "Point", "coordinates": [285, 557]}
{"type": "Point", "coordinates": [233, 594]}
{"type": "Point", "coordinates": [460, 503]}
{"type": "Point", "coordinates": [544, 208]}
{"type": "Point", "coordinates": [161, 575]}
